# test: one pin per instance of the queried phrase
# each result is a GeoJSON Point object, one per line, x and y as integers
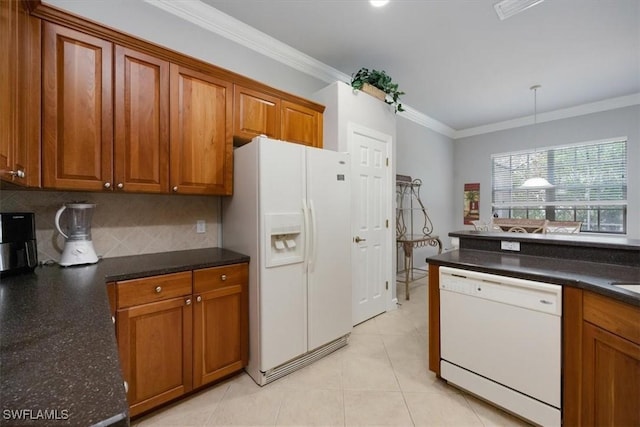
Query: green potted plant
{"type": "Point", "coordinates": [365, 78]}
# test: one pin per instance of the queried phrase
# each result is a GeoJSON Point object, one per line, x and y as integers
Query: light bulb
{"type": "Point", "coordinates": [378, 3]}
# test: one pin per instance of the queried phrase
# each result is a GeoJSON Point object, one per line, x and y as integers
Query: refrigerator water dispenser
{"type": "Point", "coordinates": [284, 232]}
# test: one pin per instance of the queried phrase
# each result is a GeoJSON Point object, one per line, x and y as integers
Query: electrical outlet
{"type": "Point", "coordinates": [510, 246]}
{"type": "Point", "coordinates": [201, 226]}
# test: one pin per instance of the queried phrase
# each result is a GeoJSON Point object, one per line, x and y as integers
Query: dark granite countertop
{"type": "Point", "coordinates": [566, 239]}
{"type": "Point", "coordinates": [58, 351]}
{"type": "Point", "coordinates": [593, 276]}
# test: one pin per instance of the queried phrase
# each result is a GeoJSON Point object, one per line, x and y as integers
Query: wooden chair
{"type": "Point", "coordinates": [562, 227]}
{"type": "Point", "coordinates": [480, 226]}
{"type": "Point", "coordinates": [516, 225]}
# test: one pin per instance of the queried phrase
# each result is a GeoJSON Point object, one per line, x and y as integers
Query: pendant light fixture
{"type": "Point", "coordinates": [537, 182]}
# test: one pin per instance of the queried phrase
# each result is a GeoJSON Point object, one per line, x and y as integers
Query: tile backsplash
{"type": "Point", "coordinates": [123, 224]}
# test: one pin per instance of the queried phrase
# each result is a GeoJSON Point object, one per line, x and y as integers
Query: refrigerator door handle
{"type": "Point", "coordinates": [307, 232]}
{"type": "Point", "coordinates": [314, 233]}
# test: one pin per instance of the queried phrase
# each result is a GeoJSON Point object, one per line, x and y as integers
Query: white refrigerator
{"type": "Point", "coordinates": [290, 212]}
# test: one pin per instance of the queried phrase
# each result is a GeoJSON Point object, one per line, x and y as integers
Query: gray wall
{"type": "Point", "coordinates": [428, 155]}
{"type": "Point", "coordinates": [472, 155]}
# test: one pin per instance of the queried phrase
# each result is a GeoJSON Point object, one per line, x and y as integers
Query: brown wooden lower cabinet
{"type": "Point", "coordinates": [155, 351]}
{"type": "Point", "coordinates": [602, 361]}
{"type": "Point", "coordinates": [221, 331]}
{"type": "Point", "coordinates": [180, 331]}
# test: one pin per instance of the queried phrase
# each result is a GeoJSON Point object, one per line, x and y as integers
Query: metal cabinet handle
{"type": "Point", "coordinates": [223, 277]}
{"type": "Point", "coordinates": [17, 174]}
{"type": "Point", "coordinates": [158, 289]}
{"type": "Point", "coordinates": [199, 298]}
{"type": "Point", "coordinates": [126, 387]}
{"type": "Point", "coordinates": [107, 185]}
{"type": "Point", "coordinates": [120, 185]}
{"type": "Point", "coordinates": [188, 301]}
{"type": "Point", "coordinates": [358, 239]}
{"type": "Point", "coordinates": [113, 319]}
{"type": "Point", "coordinates": [175, 189]}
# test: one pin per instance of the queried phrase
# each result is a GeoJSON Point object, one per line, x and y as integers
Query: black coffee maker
{"type": "Point", "coordinates": [18, 248]}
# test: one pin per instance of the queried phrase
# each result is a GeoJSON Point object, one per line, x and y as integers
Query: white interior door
{"type": "Point", "coordinates": [371, 204]}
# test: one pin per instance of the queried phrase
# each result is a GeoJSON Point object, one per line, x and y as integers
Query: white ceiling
{"type": "Point", "coordinates": [456, 61]}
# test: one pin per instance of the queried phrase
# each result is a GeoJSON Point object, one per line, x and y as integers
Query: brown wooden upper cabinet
{"type": "Point", "coordinates": [141, 149]}
{"type": "Point", "coordinates": [77, 133]}
{"type": "Point", "coordinates": [167, 128]}
{"type": "Point", "coordinates": [254, 113]}
{"type": "Point", "coordinates": [120, 114]}
{"type": "Point", "coordinates": [19, 95]}
{"type": "Point", "coordinates": [258, 113]}
{"type": "Point", "coordinates": [201, 140]}
{"type": "Point", "coordinates": [300, 124]}
{"type": "Point", "coordinates": [82, 149]}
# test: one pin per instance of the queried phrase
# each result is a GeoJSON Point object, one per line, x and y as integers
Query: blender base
{"type": "Point", "coordinates": [77, 253]}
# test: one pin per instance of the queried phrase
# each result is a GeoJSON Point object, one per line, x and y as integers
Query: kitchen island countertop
{"type": "Point", "coordinates": [591, 262]}
{"type": "Point", "coordinates": [58, 352]}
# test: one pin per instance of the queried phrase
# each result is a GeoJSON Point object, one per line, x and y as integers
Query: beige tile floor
{"type": "Point", "coordinates": [379, 379]}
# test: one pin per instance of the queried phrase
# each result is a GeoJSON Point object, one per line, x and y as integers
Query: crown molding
{"type": "Point", "coordinates": [565, 113]}
{"type": "Point", "coordinates": [426, 121]}
{"type": "Point", "coordinates": [215, 21]}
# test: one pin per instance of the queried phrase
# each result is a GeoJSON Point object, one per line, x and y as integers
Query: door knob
{"type": "Point", "coordinates": [358, 239]}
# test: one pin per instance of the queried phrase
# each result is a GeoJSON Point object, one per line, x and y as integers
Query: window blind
{"type": "Point", "coordinates": [586, 177]}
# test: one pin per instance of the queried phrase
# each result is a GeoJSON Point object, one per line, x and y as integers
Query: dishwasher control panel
{"type": "Point", "coordinates": [544, 297]}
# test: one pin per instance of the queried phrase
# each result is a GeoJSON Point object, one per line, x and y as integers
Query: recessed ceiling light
{"type": "Point", "coordinates": [507, 8]}
{"type": "Point", "coordinates": [378, 3]}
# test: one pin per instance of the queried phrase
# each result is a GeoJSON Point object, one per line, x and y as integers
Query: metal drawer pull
{"type": "Point", "coordinates": [188, 301]}
{"type": "Point", "coordinates": [199, 298]}
{"type": "Point", "coordinates": [544, 301]}
{"type": "Point", "coordinates": [126, 387]}
{"type": "Point", "coordinates": [223, 277]}
{"type": "Point", "coordinates": [158, 289]}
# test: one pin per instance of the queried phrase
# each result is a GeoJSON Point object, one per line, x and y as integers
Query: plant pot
{"type": "Point", "coordinates": [374, 91]}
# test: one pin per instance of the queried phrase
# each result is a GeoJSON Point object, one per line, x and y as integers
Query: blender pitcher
{"type": "Point", "coordinates": [78, 247]}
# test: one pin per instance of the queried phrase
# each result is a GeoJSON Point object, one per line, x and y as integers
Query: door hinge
{"type": "Point", "coordinates": [386, 285]}
{"type": "Point", "coordinates": [387, 161]}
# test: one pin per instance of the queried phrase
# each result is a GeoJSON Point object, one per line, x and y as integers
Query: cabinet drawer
{"type": "Point", "coordinates": [155, 288]}
{"type": "Point", "coordinates": [616, 317]}
{"type": "Point", "coordinates": [209, 279]}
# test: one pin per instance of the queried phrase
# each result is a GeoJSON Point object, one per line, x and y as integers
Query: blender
{"type": "Point", "coordinates": [78, 247]}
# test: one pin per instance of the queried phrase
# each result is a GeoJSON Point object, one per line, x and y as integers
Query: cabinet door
{"type": "Point", "coordinates": [611, 379]}
{"type": "Point", "coordinates": [141, 150]}
{"type": "Point", "coordinates": [301, 125]}
{"type": "Point", "coordinates": [19, 95]}
{"type": "Point", "coordinates": [254, 113]}
{"type": "Point", "coordinates": [77, 110]}
{"type": "Point", "coordinates": [155, 342]}
{"type": "Point", "coordinates": [201, 139]}
{"type": "Point", "coordinates": [221, 318]}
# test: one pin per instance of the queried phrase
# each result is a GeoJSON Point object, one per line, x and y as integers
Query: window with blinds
{"type": "Point", "coordinates": [590, 185]}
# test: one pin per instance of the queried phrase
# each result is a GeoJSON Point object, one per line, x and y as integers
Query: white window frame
{"type": "Point", "coordinates": [511, 201]}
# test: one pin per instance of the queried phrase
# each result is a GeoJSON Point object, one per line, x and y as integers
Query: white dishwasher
{"type": "Point", "coordinates": [500, 339]}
